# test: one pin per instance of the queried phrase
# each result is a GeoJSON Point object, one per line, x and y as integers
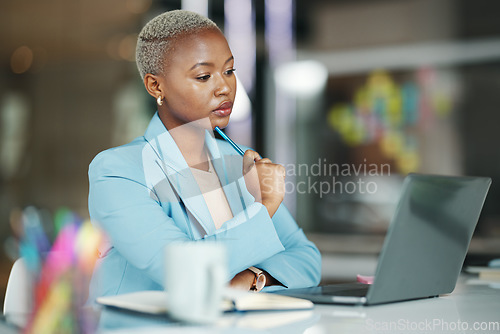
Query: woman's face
{"type": "Point", "coordinates": [199, 81]}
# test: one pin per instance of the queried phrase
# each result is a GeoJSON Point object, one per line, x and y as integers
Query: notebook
{"type": "Point", "coordinates": [155, 302]}
{"type": "Point", "coordinates": [425, 245]}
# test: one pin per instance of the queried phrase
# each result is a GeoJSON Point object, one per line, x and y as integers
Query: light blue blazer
{"type": "Point", "coordinates": [143, 196]}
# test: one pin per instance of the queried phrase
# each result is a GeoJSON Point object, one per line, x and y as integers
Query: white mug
{"type": "Point", "coordinates": [196, 275]}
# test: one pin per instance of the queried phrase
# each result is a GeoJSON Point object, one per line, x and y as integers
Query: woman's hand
{"type": "Point", "coordinates": [265, 180]}
{"type": "Point", "coordinates": [243, 280]}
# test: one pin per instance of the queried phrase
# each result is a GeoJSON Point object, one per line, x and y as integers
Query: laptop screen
{"type": "Point", "coordinates": [428, 238]}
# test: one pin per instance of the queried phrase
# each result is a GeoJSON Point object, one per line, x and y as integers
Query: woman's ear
{"type": "Point", "coordinates": [152, 85]}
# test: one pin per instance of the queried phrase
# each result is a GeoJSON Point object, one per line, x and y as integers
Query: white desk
{"type": "Point", "coordinates": [469, 306]}
{"type": "Point", "coordinates": [466, 307]}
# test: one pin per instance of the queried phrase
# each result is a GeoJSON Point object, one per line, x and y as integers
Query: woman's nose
{"type": "Point", "coordinates": [223, 86]}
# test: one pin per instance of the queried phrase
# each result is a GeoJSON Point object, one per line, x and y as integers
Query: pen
{"type": "Point", "coordinates": [226, 138]}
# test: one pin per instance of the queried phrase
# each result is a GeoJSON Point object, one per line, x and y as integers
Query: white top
{"type": "Point", "coordinates": [214, 196]}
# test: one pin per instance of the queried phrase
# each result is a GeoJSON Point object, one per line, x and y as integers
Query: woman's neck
{"type": "Point", "coordinates": [190, 139]}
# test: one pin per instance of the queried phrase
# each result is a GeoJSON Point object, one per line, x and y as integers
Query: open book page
{"type": "Point", "coordinates": [261, 301]}
{"type": "Point", "coordinates": [155, 302]}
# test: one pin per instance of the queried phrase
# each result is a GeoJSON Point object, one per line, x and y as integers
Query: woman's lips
{"type": "Point", "coordinates": [224, 109]}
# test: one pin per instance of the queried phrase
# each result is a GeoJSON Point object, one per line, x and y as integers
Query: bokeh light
{"type": "Point", "coordinates": [21, 59]}
{"type": "Point", "coordinates": [126, 48]}
{"type": "Point", "coordinates": [138, 6]}
{"type": "Point", "coordinates": [391, 114]}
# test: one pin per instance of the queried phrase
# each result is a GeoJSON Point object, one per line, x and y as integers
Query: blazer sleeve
{"type": "Point", "coordinates": [299, 265]}
{"type": "Point", "coordinates": [139, 228]}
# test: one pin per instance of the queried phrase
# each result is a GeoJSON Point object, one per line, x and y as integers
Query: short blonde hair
{"type": "Point", "coordinates": [156, 38]}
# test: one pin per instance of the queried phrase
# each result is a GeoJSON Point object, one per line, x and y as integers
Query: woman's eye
{"type": "Point", "coordinates": [231, 71]}
{"type": "Point", "coordinates": [203, 77]}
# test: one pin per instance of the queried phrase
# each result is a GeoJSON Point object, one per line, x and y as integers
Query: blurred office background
{"type": "Point", "coordinates": [388, 86]}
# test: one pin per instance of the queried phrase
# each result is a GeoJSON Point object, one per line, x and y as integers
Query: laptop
{"type": "Point", "coordinates": [425, 245]}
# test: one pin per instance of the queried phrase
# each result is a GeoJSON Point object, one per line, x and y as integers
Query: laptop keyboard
{"type": "Point", "coordinates": [332, 290]}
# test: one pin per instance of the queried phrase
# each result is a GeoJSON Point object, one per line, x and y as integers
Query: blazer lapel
{"type": "Point", "coordinates": [229, 168]}
{"type": "Point", "coordinates": [178, 173]}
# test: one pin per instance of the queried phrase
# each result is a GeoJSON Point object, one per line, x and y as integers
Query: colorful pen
{"type": "Point", "coordinates": [226, 138]}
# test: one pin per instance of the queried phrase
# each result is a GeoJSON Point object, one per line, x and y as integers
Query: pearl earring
{"type": "Point", "coordinates": [159, 100]}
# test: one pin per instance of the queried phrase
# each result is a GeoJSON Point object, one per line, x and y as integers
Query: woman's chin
{"type": "Point", "coordinates": [221, 122]}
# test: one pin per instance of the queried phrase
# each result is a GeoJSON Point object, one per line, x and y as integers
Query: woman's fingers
{"type": "Point", "coordinates": [249, 160]}
{"type": "Point", "coordinates": [272, 185]}
{"type": "Point", "coordinates": [264, 161]}
{"type": "Point", "coordinates": [252, 155]}
{"type": "Point", "coordinates": [270, 167]}
{"type": "Point", "coordinates": [265, 180]}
